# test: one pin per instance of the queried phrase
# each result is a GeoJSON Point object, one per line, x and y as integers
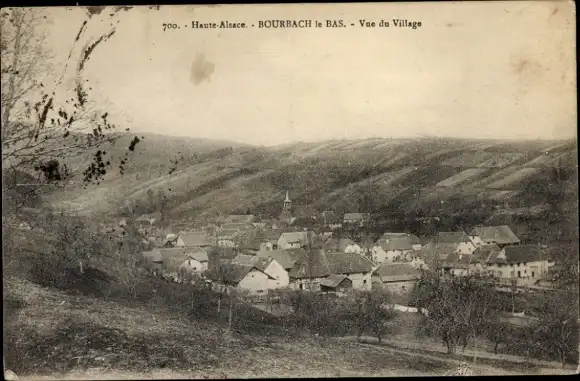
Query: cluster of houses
{"type": "Point", "coordinates": [258, 256]}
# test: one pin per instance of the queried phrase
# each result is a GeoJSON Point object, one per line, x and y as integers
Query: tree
{"type": "Point", "coordinates": [376, 309]}
{"type": "Point", "coordinates": [460, 308]}
{"type": "Point", "coordinates": [558, 324]}
{"type": "Point", "coordinates": [48, 125]}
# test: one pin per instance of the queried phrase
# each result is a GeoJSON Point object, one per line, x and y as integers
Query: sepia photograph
{"type": "Point", "coordinates": [290, 190]}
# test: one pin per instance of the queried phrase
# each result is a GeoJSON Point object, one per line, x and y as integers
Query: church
{"type": "Point", "coordinates": [286, 214]}
{"type": "Point", "coordinates": [291, 213]}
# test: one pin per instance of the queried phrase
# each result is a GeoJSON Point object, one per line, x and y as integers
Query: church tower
{"type": "Point", "coordinates": [287, 203]}
{"type": "Point", "coordinates": [286, 214]}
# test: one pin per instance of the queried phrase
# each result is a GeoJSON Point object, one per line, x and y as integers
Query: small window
{"type": "Point", "coordinates": [260, 291]}
{"type": "Point", "coordinates": [519, 274]}
{"type": "Point", "coordinates": [533, 274]}
{"type": "Point", "coordinates": [195, 269]}
{"type": "Point", "coordinates": [365, 281]}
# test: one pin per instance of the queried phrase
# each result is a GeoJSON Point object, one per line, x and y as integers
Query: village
{"type": "Point", "coordinates": [256, 255]}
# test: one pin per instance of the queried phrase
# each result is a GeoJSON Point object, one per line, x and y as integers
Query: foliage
{"type": "Point", "coordinates": [372, 311]}
{"type": "Point", "coordinates": [459, 308]}
{"type": "Point", "coordinates": [46, 125]}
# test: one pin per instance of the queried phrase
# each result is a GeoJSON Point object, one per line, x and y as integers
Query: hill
{"type": "Point", "coordinates": [473, 180]}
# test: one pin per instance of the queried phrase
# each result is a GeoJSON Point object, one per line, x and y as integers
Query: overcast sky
{"type": "Point", "coordinates": [473, 70]}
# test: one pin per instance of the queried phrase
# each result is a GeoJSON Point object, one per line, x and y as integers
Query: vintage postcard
{"type": "Point", "coordinates": [290, 190]}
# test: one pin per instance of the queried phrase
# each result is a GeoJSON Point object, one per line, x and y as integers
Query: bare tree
{"type": "Point", "coordinates": [558, 324]}
{"type": "Point", "coordinates": [377, 309]}
{"type": "Point", "coordinates": [459, 308]}
{"type": "Point", "coordinates": [45, 125]}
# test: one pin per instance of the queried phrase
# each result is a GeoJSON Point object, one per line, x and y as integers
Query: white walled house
{"type": "Point", "coordinates": [395, 247]}
{"type": "Point", "coordinates": [462, 242]}
{"type": "Point", "coordinates": [245, 279]}
{"type": "Point", "coordinates": [277, 272]}
{"type": "Point", "coordinates": [523, 264]}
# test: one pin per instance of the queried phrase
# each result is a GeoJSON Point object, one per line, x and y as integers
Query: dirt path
{"type": "Point", "coordinates": [405, 346]}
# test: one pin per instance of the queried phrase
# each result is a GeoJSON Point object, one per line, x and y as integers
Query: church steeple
{"type": "Point", "coordinates": [286, 214]}
{"type": "Point", "coordinates": [287, 202]}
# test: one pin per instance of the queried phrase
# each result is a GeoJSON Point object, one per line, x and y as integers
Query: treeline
{"type": "Point", "coordinates": [463, 310]}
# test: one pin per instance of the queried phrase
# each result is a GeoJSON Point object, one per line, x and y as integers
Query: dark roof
{"type": "Point", "coordinates": [523, 253]}
{"type": "Point", "coordinates": [238, 226]}
{"type": "Point", "coordinates": [356, 216]}
{"type": "Point", "coordinates": [456, 261]}
{"type": "Point", "coordinates": [195, 239]}
{"type": "Point", "coordinates": [286, 258]}
{"type": "Point", "coordinates": [483, 253]}
{"type": "Point", "coordinates": [348, 263]}
{"type": "Point", "coordinates": [314, 265]}
{"type": "Point", "coordinates": [452, 237]}
{"type": "Point", "coordinates": [432, 252]}
{"type": "Point", "coordinates": [397, 272]}
{"type": "Point", "coordinates": [501, 234]}
{"type": "Point", "coordinates": [334, 280]}
{"type": "Point", "coordinates": [252, 260]}
{"type": "Point", "coordinates": [412, 238]}
{"type": "Point", "coordinates": [240, 218]}
{"type": "Point", "coordinates": [329, 218]}
{"type": "Point", "coordinates": [292, 237]}
{"type": "Point", "coordinates": [398, 241]}
{"type": "Point", "coordinates": [231, 273]}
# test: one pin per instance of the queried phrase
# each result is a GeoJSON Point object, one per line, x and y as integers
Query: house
{"type": "Point", "coordinates": [412, 238]}
{"type": "Point", "coordinates": [500, 235]}
{"type": "Point", "coordinates": [356, 266]}
{"type": "Point", "coordinates": [244, 278]}
{"type": "Point", "coordinates": [330, 219]}
{"type": "Point", "coordinates": [463, 243]}
{"type": "Point", "coordinates": [358, 219]}
{"type": "Point", "coordinates": [269, 265]}
{"type": "Point", "coordinates": [456, 264]}
{"type": "Point", "coordinates": [238, 226]}
{"type": "Point", "coordinates": [523, 264]}
{"type": "Point", "coordinates": [187, 239]}
{"type": "Point", "coordinates": [292, 240]}
{"type": "Point", "coordinates": [309, 272]}
{"type": "Point", "coordinates": [286, 258]}
{"type": "Point", "coordinates": [240, 218]}
{"type": "Point", "coordinates": [395, 247]}
{"type": "Point", "coordinates": [336, 283]}
{"type": "Point", "coordinates": [175, 263]}
{"type": "Point", "coordinates": [398, 278]}
{"type": "Point", "coordinates": [227, 238]}
{"type": "Point", "coordinates": [431, 254]}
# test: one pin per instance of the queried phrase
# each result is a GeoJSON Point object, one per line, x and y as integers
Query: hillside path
{"type": "Point", "coordinates": [406, 345]}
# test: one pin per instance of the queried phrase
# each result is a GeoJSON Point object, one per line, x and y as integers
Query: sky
{"type": "Point", "coordinates": [472, 70]}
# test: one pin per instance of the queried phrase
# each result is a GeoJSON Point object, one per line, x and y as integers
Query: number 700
{"type": "Point", "coordinates": [169, 26]}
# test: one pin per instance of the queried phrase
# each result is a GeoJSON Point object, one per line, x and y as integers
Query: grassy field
{"type": "Point", "coordinates": [53, 334]}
